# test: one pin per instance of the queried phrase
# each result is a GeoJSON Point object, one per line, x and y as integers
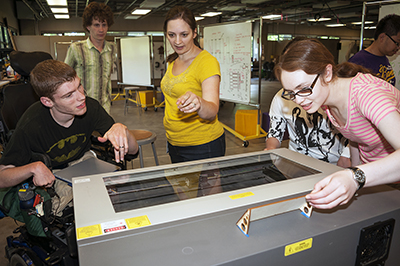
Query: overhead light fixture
{"type": "Point", "coordinates": [211, 14]}
{"type": "Point", "coordinates": [318, 19]}
{"type": "Point", "coordinates": [61, 16]}
{"type": "Point", "coordinates": [59, 10]}
{"type": "Point", "coordinates": [136, 33]}
{"type": "Point", "coordinates": [132, 17]}
{"type": "Point", "coordinates": [370, 28]}
{"type": "Point", "coordinates": [335, 25]}
{"type": "Point", "coordinates": [57, 2]}
{"type": "Point", "coordinates": [199, 18]}
{"type": "Point", "coordinates": [360, 22]}
{"type": "Point", "coordinates": [141, 12]}
{"type": "Point", "coordinates": [272, 17]}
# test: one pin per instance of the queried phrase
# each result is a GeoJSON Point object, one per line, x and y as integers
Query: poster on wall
{"type": "Point", "coordinates": [395, 59]}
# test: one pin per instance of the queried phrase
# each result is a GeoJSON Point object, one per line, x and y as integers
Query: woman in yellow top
{"type": "Point", "coordinates": [191, 90]}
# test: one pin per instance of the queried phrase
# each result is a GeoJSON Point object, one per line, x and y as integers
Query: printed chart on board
{"type": "Point", "coordinates": [231, 45]}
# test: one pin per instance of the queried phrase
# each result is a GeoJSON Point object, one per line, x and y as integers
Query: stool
{"type": "Point", "coordinates": [127, 98]}
{"type": "Point", "coordinates": [144, 137]}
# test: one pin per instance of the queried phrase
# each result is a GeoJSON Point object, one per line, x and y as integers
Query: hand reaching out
{"type": "Point", "coordinates": [336, 189]}
{"type": "Point", "coordinates": [189, 102]}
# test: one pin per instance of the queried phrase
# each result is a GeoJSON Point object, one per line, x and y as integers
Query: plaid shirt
{"type": "Point", "coordinates": [94, 68]}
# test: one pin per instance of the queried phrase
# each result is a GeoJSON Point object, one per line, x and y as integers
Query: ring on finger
{"type": "Point", "coordinates": [194, 105]}
{"type": "Point", "coordinates": [121, 147]}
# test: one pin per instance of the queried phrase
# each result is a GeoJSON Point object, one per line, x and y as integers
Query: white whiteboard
{"type": "Point", "coordinates": [231, 45]}
{"type": "Point", "coordinates": [395, 59]}
{"type": "Point", "coordinates": [136, 60]}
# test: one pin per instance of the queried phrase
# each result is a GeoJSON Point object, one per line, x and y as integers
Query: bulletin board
{"type": "Point", "coordinates": [136, 60]}
{"type": "Point", "coordinates": [231, 45]}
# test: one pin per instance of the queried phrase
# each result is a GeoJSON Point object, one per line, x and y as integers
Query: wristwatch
{"type": "Point", "coordinates": [359, 176]}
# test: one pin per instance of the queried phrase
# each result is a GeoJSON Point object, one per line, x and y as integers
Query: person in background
{"type": "Point", "coordinates": [191, 89]}
{"type": "Point", "coordinates": [60, 126]}
{"type": "Point", "coordinates": [309, 134]}
{"type": "Point", "coordinates": [387, 43]}
{"type": "Point", "coordinates": [94, 58]}
{"type": "Point", "coordinates": [364, 108]}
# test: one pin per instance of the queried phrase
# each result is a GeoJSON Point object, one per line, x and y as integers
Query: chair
{"type": "Point", "coordinates": [19, 96]}
{"type": "Point", "coordinates": [144, 137]}
{"type": "Point", "coordinates": [128, 91]}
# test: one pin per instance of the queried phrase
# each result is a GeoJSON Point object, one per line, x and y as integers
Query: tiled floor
{"type": "Point", "coordinates": [153, 121]}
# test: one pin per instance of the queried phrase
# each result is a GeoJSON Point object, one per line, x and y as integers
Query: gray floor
{"type": "Point", "coordinates": [151, 120]}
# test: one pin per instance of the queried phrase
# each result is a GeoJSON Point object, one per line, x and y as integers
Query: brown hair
{"type": "Point", "coordinates": [184, 13]}
{"type": "Point", "coordinates": [49, 75]}
{"type": "Point", "coordinates": [312, 57]}
{"type": "Point", "coordinates": [98, 11]}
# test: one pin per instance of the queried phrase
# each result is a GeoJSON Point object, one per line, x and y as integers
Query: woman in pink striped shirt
{"type": "Point", "coordinates": [364, 108]}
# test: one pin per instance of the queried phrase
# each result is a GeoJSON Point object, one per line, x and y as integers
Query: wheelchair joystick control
{"type": "Point", "coordinates": [28, 199]}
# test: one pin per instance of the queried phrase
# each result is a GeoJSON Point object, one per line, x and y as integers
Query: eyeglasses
{"type": "Point", "coordinates": [290, 95]}
{"type": "Point", "coordinates": [398, 44]}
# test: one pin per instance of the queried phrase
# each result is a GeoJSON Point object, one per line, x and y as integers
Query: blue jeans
{"type": "Point", "coordinates": [215, 148]}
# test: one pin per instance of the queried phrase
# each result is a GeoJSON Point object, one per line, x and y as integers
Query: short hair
{"type": "Point", "coordinates": [390, 24]}
{"type": "Point", "coordinates": [49, 75]}
{"type": "Point", "coordinates": [99, 11]}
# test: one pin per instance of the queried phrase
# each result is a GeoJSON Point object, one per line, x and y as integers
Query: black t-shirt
{"type": "Point", "coordinates": [37, 132]}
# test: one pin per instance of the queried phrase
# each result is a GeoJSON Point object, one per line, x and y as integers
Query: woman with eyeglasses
{"type": "Point", "coordinates": [364, 108]}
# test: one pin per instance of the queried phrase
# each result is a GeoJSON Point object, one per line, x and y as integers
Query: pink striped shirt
{"type": "Point", "coordinates": [370, 100]}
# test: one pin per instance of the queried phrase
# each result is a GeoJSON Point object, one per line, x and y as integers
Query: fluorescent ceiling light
{"type": "Point", "coordinates": [370, 28]}
{"type": "Point", "coordinates": [136, 33]}
{"type": "Point", "coordinates": [58, 16]}
{"type": "Point", "coordinates": [211, 14]}
{"type": "Point", "coordinates": [320, 19]}
{"type": "Point", "coordinates": [359, 22]}
{"type": "Point", "coordinates": [57, 2]}
{"type": "Point", "coordinates": [74, 34]}
{"type": "Point", "coordinates": [335, 25]}
{"type": "Point", "coordinates": [199, 18]}
{"type": "Point", "coordinates": [271, 17]}
{"type": "Point", "coordinates": [59, 10]}
{"type": "Point", "coordinates": [132, 17]}
{"type": "Point", "coordinates": [140, 11]}
{"type": "Point", "coordinates": [155, 33]}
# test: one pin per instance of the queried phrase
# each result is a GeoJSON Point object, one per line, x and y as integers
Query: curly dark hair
{"type": "Point", "coordinates": [98, 11]}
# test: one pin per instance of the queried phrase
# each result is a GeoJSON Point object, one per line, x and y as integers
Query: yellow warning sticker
{"type": "Point", "coordinates": [298, 247]}
{"type": "Point", "coordinates": [136, 222]}
{"type": "Point", "coordinates": [88, 231]}
{"type": "Point", "coordinates": [241, 195]}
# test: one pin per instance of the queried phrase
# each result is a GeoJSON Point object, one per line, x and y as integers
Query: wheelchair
{"type": "Point", "coordinates": [57, 246]}
{"type": "Point", "coordinates": [59, 249]}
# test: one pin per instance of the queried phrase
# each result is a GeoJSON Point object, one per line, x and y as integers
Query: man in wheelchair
{"type": "Point", "coordinates": [60, 128]}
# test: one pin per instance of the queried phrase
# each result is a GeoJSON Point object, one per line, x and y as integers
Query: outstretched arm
{"type": "Point", "coordinates": [11, 176]}
{"type": "Point", "coordinates": [340, 187]}
{"type": "Point", "coordinates": [206, 106]}
{"type": "Point", "coordinates": [122, 140]}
